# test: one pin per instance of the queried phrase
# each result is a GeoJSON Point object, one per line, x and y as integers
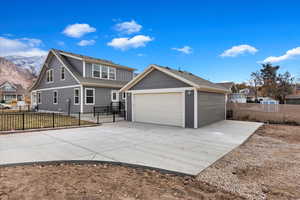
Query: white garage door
{"type": "Point", "coordinates": [159, 108]}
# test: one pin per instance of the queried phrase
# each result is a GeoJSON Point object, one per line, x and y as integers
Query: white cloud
{"type": "Point", "coordinates": [86, 43]}
{"type": "Point", "coordinates": [78, 30]}
{"type": "Point", "coordinates": [185, 49]}
{"type": "Point", "coordinates": [61, 43]}
{"type": "Point", "coordinates": [22, 46]}
{"type": "Point", "coordinates": [128, 27]}
{"type": "Point", "coordinates": [140, 54]}
{"type": "Point", "coordinates": [128, 43]}
{"type": "Point", "coordinates": [239, 50]}
{"type": "Point", "coordinates": [288, 55]}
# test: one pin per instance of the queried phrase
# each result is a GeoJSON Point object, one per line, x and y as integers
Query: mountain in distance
{"type": "Point", "coordinates": [15, 74]}
{"type": "Point", "coordinates": [33, 63]}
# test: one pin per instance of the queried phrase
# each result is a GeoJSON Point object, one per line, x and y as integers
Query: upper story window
{"type": "Point", "coordinates": [112, 73]}
{"type": "Point", "coordinates": [62, 73]}
{"type": "Point", "coordinates": [103, 72]}
{"type": "Point", "coordinates": [50, 76]}
{"type": "Point", "coordinates": [55, 97]}
{"type": "Point", "coordinates": [96, 70]}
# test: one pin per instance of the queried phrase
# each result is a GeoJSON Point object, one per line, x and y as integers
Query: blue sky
{"type": "Point", "coordinates": [192, 35]}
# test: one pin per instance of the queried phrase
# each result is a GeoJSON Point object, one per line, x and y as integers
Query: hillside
{"type": "Point", "coordinates": [15, 74]}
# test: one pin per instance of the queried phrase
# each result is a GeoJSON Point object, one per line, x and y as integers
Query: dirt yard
{"type": "Point", "coordinates": [267, 166]}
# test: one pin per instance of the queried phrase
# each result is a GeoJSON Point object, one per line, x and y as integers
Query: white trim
{"type": "Point", "coordinates": [122, 94]}
{"type": "Point", "coordinates": [71, 56]}
{"type": "Point", "coordinates": [61, 70]}
{"type": "Point", "coordinates": [93, 69]}
{"type": "Point", "coordinates": [48, 73]}
{"type": "Point", "coordinates": [165, 90]}
{"type": "Point", "coordinates": [65, 66]}
{"type": "Point", "coordinates": [55, 88]}
{"type": "Point", "coordinates": [195, 108]}
{"type": "Point", "coordinates": [84, 68]}
{"type": "Point", "coordinates": [117, 96]}
{"type": "Point", "coordinates": [183, 109]}
{"type": "Point", "coordinates": [75, 96]}
{"type": "Point", "coordinates": [126, 107]}
{"type": "Point", "coordinates": [81, 98]}
{"type": "Point", "coordinates": [109, 68]}
{"type": "Point", "coordinates": [94, 95]}
{"type": "Point", "coordinates": [56, 97]}
{"type": "Point", "coordinates": [132, 107]}
{"type": "Point", "coordinates": [226, 97]}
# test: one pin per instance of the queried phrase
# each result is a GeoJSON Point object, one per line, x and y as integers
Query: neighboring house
{"type": "Point", "coordinates": [237, 98]}
{"type": "Point", "coordinates": [228, 85]}
{"type": "Point", "coordinates": [74, 83]}
{"type": "Point", "coordinates": [10, 91]}
{"type": "Point", "coordinates": [162, 95]}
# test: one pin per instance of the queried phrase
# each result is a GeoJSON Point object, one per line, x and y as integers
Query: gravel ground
{"type": "Point", "coordinates": [267, 166]}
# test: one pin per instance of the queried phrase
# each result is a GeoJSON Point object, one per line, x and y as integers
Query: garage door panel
{"type": "Point", "coordinates": [159, 108]}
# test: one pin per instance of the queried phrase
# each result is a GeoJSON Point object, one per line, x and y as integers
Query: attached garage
{"type": "Point", "coordinates": [165, 96]}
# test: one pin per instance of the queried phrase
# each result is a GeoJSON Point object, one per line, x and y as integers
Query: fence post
{"type": "Point", "coordinates": [23, 116]}
{"type": "Point", "coordinates": [114, 116]}
{"type": "Point", "coordinates": [53, 124]}
{"type": "Point", "coordinates": [79, 119]}
{"type": "Point", "coordinates": [98, 118]}
{"type": "Point", "coordinates": [94, 111]}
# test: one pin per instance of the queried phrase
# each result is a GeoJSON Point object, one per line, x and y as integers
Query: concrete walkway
{"type": "Point", "coordinates": [176, 149]}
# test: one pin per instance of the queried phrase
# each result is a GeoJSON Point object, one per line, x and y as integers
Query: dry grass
{"type": "Point", "coordinates": [14, 121]}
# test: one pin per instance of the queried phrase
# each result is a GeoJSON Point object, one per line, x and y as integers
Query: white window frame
{"type": "Point", "coordinates": [102, 66]}
{"type": "Point", "coordinates": [93, 69]}
{"type": "Point", "coordinates": [62, 71]}
{"type": "Point", "coordinates": [124, 95]}
{"type": "Point", "coordinates": [115, 74]}
{"type": "Point", "coordinates": [39, 98]}
{"type": "Point", "coordinates": [48, 75]}
{"type": "Point", "coordinates": [85, 91]}
{"type": "Point", "coordinates": [77, 96]}
{"type": "Point", "coordinates": [117, 96]}
{"type": "Point", "coordinates": [55, 91]}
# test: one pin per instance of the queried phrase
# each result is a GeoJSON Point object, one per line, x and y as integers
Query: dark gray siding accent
{"type": "Point", "coordinates": [102, 98]}
{"type": "Point", "coordinates": [211, 108]}
{"type": "Point", "coordinates": [56, 65]}
{"type": "Point", "coordinates": [189, 109]}
{"type": "Point", "coordinates": [157, 80]}
{"type": "Point", "coordinates": [76, 64]}
{"type": "Point", "coordinates": [63, 96]}
{"type": "Point", "coordinates": [129, 109]}
{"type": "Point", "coordinates": [121, 74]}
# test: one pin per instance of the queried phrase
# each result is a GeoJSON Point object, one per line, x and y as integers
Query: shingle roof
{"type": "Point", "coordinates": [227, 85]}
{"type": "Point", "coordinates": [193, 78]}
{"type": "Point", "coordinates": [91, 59]}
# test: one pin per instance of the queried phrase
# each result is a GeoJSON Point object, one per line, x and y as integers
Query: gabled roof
{"type": "Point", "coordinates": [227, 85]}
{"type": "Point", "coordinates": [19, 88]}
{"type": "Point", "coordinates": [186, 77]}
{"type": "Point", "coordinates": [92, 59]}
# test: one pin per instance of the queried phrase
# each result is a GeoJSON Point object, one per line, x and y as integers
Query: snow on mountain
{"type": "Point", "coordinates": [15, 74]}
{"type": "Point", "coordinates": [33, 63]}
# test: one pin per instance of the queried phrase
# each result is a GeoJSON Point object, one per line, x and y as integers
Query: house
{"type": "Point", "coordinates": [10, 91]}
{"type": "Point", "coordinates": [162, 95]}
{"type": "Point", "coordinates": [74, 83]}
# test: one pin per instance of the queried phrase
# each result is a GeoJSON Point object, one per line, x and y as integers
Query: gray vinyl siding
{"type": "Point", "coordinates": [76, 64]}
{"type": "Point", "coordinates": [158, 80]}
{"type": "Point", "coordinates": [211, 108]}
{"type": "Point", "coordinates": [62, 105]}
{"type": "Point", "coordinates": [121, 74]}
{"type": "Point", "coordinates": [129, 108]}
{"type": "Point", "coordinates": [56, 65]}
{"type": "Point", "coordinates": [102, 98]}
{"type": "Point", "coordinates": [189, 109]}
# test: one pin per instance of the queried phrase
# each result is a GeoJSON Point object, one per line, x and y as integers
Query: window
{"type": "Point", "coordinates": [76, 96]}
{"type": "Point", "coordinates": [39, 99]}
{"type": "Point", "coordinates": [62, 75]}
{"type": "Point", "coordinates": [96, 70]}
{"type": "Point", "coordinates": [54, 97]}
{"type": "Point", "coordinates": [112, 73]}
{"type": "Point", "coordinates": [114, 96]}
{"type": "Point", "coordinates": [124, 95]}
{"type": "Point", "coordinates": [89, 96]}
{"type": "Point", "coordinates": [50, 76]}
{"type": "Point", "coordinates": [104, 72]}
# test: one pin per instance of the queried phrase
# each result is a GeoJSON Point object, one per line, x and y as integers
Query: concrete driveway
{"type": "Point", "coordinates": [176, 149]}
